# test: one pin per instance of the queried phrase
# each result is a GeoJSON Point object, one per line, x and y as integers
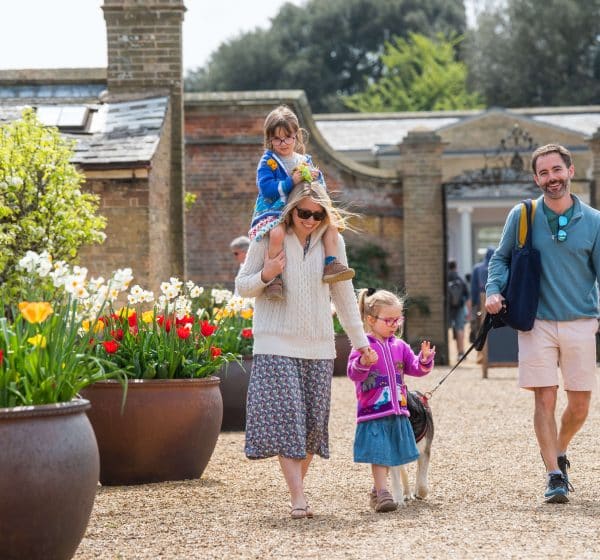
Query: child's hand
{"type": "Point", "coordinates": [306, 173]}
{"type": "Point", "coordinates": [426, 351]}
{"type": "Point", "coordinates": [368, 356]}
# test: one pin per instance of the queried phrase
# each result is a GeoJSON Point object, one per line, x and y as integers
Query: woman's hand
{"type": "Point", "coordinates": [426, 351]}
{"type": "Point", "coordinates": [368, 356]}
{"type": "Point", "coordinates": [272, 267]}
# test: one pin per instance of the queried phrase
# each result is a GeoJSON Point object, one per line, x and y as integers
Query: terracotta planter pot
{"type": "Point", "coordinates": [234, 390]}
{"type": "Point", "coordinates": [342, 350]}
{"type": "Point", "coordinates": [167, 431]}
{"type": "Point", "coordinates": [48, 478]}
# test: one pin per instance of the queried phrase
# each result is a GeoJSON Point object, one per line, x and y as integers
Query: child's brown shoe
{"type": "Point", "coordinates": [274, 291]}
{"type": "Point", "coordinates": [385, 502]}
{"type": "Point", "coordinates": [336, 272]}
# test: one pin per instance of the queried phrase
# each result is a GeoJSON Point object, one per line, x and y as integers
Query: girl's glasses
{"type": "Point", "coordinates": [305, 214]}
{"type": "Point", "coordinates": [390, 321]}
{"type": "Point", "coordinates": [561, 234]}
{"type": "Point", "coordinates": [288, 140]}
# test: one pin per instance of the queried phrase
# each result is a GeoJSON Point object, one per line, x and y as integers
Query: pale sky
{"type": "Point", "coordinates": [72, 33]}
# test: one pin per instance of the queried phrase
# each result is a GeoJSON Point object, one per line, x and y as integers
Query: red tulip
{"type": "Point", "coordinates": [183, 332]}
{"type": "Point", "coordinates": [247, 333]}
{"type": "Point", "coordinates": [207, 329]}
{"type": "Point", "coordinates": [117, 334]}
{"type": "Point", "coordinates": [111, 346]}
{"type": "Point", "coordinates": [214, 351]}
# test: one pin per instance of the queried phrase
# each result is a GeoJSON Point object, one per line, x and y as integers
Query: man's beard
{"type": "Point", "coordinates": [556, 194]}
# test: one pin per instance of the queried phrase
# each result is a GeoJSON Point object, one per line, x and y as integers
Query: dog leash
{"type": "Point", "coordinates": [490, 322]}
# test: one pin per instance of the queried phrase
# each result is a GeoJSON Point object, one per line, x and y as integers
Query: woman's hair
{"type": "Point", "coordinates": [370, 301]}
{"type": "Point", "coordinates": [283, 117]}
{"type": "Point", "coordinates": [318, 194]}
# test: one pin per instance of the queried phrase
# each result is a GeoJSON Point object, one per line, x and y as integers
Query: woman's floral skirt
{"type": "Point", "coordinates": [288, 407]}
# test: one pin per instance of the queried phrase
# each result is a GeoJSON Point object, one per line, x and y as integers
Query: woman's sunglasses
{"type": "Point", "coordinates": [305, 214]}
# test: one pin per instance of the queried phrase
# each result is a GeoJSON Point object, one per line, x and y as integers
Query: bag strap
{"type": "Point", "coordinates": [525, 220]}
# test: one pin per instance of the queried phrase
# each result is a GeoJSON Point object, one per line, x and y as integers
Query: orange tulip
{"type": "Point", "coordinates": [36, 311]}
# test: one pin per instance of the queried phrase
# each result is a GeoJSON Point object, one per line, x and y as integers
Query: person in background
{"type": "Point", "coordinates": [289, 393]}
{"type": "Point", "coordinates": [566, 232]}
{"type": "Point", "coordinates": [478, 281]}
{"type": "Point", "coordinates": [457, 295]}
{"type": "Point", "coordinates": [239, 248]}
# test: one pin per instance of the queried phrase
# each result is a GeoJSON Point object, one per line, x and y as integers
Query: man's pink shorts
{"type": "Point", "coordinates": [570, 345]}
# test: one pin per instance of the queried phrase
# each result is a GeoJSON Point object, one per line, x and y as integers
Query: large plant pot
{"type": "Point", "coordinates": [342, 350]}
{"type": "Point", "coordinates": [48, 477]}
{"type": "Point", "coordinates": [234, 390]}
{"type": "Point", "coordinates": [167, 430]}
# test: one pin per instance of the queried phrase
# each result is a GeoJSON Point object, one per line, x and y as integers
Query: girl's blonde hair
{"type": "Point", "coordinates": [284, 117]}
{"type": "Point", "coordinates": [318, 194]}
{"type": "Point", "coordinates": [370, 302]}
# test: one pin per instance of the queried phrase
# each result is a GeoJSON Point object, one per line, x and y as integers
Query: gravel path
{"type": "Point", "coordinates": [486, 485]}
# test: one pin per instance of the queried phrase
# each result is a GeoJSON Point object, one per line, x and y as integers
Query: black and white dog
{"type": "Point", "coordinates": [421, 420]}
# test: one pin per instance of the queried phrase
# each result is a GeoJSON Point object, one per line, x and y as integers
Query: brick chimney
{"type": "Point", "coordinates": [144, 39]}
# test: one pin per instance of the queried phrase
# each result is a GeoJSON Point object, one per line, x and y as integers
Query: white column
{"type": "Point", "coordinates": [465, 264]}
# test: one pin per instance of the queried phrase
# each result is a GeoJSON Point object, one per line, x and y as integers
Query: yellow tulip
{"type": "Point", "coordinates": [148, 316]}
{"type": "Point", "coordinates": [38, 340]}
{"type": "Point", "coordinates": [246, 313]}
{"type": "Point", "coordinates": [36, 311]}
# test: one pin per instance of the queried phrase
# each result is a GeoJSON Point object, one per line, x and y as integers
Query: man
{"type": "Point", "coordinates": [478, 281]}
{"type": "Point", "coordinates": [239, 248]}
{"type": "Point", "coordinates": [567, 233]}
{"type": "Point", "coordinates": [457, 295]}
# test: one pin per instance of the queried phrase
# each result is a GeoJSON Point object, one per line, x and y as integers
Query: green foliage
{"type": "Point", "coordinates": [419, 74]}
{"type": "Point", "coordinates": [370, 265]}
{"type": "Point", "coordinates": [42, 207]}
{"type": "Point", "coordinates": [325, 48]}
{"type": "Point", "coordinates": [528, 53]}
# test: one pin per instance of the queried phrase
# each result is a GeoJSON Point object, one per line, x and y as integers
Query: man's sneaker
{"type": "Point", "coordinates": [274, 291]}
{"type": "Point", "coordinates": [557, 491]}
{"type": "Point", "coordinates": [564, 465]}
{"type": "Point", "coordinates": [335, 272]}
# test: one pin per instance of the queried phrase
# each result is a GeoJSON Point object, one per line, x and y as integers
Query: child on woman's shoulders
{"type": "Point", "coordinates": [284, 165]}
{"type": "Point", "coordinates": [384, 436]}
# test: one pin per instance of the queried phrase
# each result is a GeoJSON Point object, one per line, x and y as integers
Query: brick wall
{"type": "Point", "coordinates": [424, 241]}
{"type": "Point", "coordinates": [145, 55]}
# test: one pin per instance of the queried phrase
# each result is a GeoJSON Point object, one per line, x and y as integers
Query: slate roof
{"type": "Point", "coordinates": [369, 133]}
{"type": "Point", "coordinates": [123, 133]}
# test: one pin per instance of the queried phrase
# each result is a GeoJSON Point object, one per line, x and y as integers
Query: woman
{"type": "Point", "coordinates": [290, 385]}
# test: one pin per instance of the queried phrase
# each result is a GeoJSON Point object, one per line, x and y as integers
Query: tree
{"type": "Point", "coordinates": [419, 74]}
{"type": "Point", "coordinates": [42, 207]}
{"type": "Point", "coordinates": [325, 48]}
{"type": "Point", "coordinates": [537, 53]}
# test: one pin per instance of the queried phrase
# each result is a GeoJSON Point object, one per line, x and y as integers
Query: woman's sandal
{"type": "Point", "coordinates": [299, 513]}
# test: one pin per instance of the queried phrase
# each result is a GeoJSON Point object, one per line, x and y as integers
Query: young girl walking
{"type": "Point", "coordinates": [284, 165]}
{"type": "Point", "coordinates": [384, 436]}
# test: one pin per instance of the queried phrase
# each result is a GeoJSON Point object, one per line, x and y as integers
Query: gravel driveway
{"type": "Point", "coordinates": [486, 487]}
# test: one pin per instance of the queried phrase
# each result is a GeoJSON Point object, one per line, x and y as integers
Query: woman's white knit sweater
{"type": "Point", "coordinates": [301, 325]}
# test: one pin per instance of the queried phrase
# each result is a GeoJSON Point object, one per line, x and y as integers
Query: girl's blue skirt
{"type": "Point", "coordinates": [388, 441]}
